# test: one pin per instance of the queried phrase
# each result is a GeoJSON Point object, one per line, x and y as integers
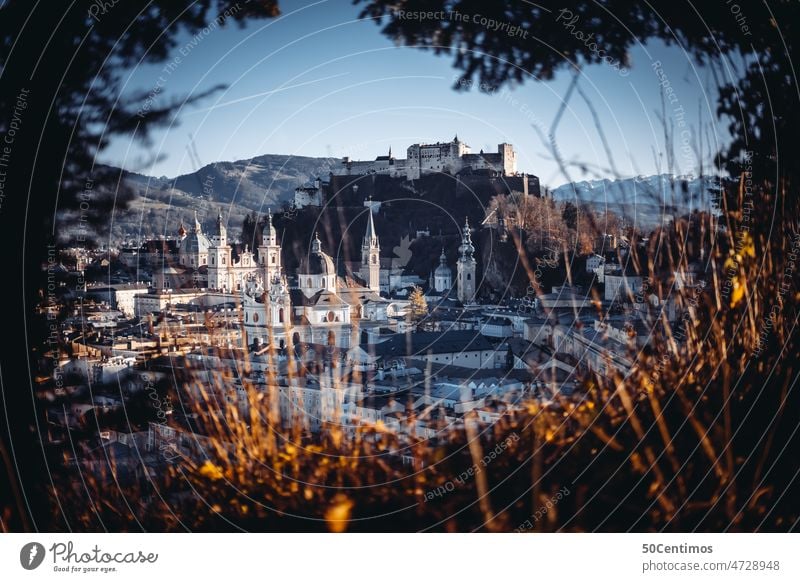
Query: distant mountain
{"type": "Point", "coordinates": [236, 187]}
{"type": "Point", "coordinates": [650, 199]}
{"type": "Point", "coordinates": [263, 180]}
{"type": "Point", "coordinates": [243, 186]}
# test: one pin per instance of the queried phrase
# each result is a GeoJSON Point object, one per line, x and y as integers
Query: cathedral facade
{"type": "Point", "coordinates": [320, 307]}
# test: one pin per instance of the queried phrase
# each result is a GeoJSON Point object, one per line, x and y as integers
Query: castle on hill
{"type": "Point", "coordinates": [452, 157]}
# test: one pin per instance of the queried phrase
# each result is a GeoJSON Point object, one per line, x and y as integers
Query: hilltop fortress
{"type": "Point", "coordinates": [487, 173]}
{"type": "Point", "coordinates": [452, 157]}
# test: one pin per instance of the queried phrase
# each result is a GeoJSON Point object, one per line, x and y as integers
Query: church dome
{"type": "Point", "coordinates": [317, 262]}
{"type": "Point", "coordinates": [443, 270]}
{"type": "Point", "coordinates": [195, 242]}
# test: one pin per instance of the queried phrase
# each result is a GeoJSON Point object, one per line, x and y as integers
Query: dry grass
{"type": "Point", "coordinates": [701, 436]}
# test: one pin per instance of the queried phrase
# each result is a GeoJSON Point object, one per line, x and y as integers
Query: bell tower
{"type": "Point", "coordinates": [269, 253]}
{"type": "Point", "coordinates": [466, 267]}
{"type": "Point", "coordinates": [371, 256]}
{"type": "Point", "coordinates": [219, 258]}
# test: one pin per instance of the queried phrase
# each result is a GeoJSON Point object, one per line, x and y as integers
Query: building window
{"type": "Point", "coordinates": [255, 317]}
{"type": "Point", "coordinates": [273, 259]}
{"type": "Point", "coordinates": [280, 315]}
{"type": "Point", "coordinates": [308, 282]}
{"type": "Point", "coordinates": [469, 276]}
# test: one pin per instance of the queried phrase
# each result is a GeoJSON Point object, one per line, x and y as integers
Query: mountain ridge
{"type": "Point", "coordinates": [240, 187]}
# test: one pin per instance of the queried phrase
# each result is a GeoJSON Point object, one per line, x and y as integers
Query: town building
{"type": "Point", "coordinates": [118, 296]}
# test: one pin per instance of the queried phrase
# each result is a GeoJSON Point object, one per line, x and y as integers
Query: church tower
{"type": "Point", "coordinates": [278, 303]}
{"type": "Point", "coordinates": [466, 267]}
{"type": "Point", "coordinates": [219, 258]}
{"type": "Point", "coordinates": [269, 253]}
{"type": "Point", "coordinates": [371, 256]}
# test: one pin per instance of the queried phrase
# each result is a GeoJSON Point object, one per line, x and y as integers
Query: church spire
{"type": "Point", "coordinates": [197, 227]}
{"type": "Point", "coordinates": [371, 255]}
{"type": "Point", "coordinates": [269, 253]}
{"type": "Point", "coordinates": [370, 237]}
{"type": "Point", "coordinates": [466, 267]}
{"type": "Point", "coordinates": [221, 234]}
{"type": "Point", "coordinates": [269, 235]}
{"type": "Point", "coordinates": [467, 248]}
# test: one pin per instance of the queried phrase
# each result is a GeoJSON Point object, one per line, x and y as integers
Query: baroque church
{"type": "Point", "coordinates": [321, 307]}
{"type": "Point", "coordinates": [440, 282]}
{"type": "Point", "coordinates": [208, 262]}
{"type": "Point", "coordinates": [318, 306]}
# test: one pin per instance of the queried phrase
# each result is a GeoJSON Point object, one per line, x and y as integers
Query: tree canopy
{"type": "Point", "coordinates": [507, 43]}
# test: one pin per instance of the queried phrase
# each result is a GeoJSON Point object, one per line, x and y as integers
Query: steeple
{"type": "Point", "coordinates": [269, 235]}
{"type": "Point", "coordinates": [466, 249]}
{"type": "Point", "coordinates": [221, 233]}
{"type": "Point", "coordinates": [197, 228]}
{"type": "Point", "coordinates": [371, 255]}
{"type": "Point", "coordinates": [269, 253]}
{"type": "Point", "coordinates": [466, 266]}
{"type": "Point", "coordinates": [390, 152]}
{"type": "Point", "coordinates": [370, 237]}
{"type": "Point", "coordinates": [219, 275]}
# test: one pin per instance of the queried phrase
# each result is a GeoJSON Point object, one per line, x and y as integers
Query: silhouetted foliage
{"type": "Point", "coordinates": [64, 66]}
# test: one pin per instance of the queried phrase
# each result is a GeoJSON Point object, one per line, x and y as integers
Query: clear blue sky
{"type": "Point", "coordinates": [319, 82]}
